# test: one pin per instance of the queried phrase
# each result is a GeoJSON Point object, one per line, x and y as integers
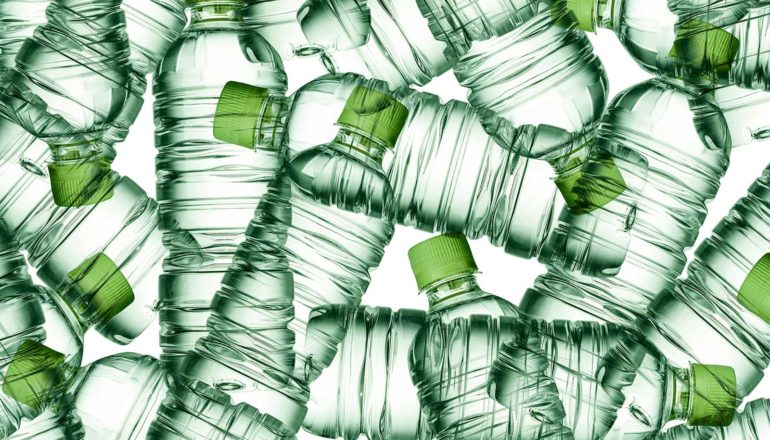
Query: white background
{"type": "Point", "coordinates": [392, 284]}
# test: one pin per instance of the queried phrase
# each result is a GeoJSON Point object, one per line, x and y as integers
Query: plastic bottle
{"type": "Point", "coordinates": [152, 27]}
{"type": "Point", "coordinates": [50, 425]}
{"type": "Point", "coordinates": [522, 64]}
{"type": "Point", "coordinates": [715, 43]}
{"type": "Point", "coordinates": [128, 396]}
{"type": "Point", "coordinates": [302, 250]}
{"type": "Point", "coordinates": [744, 111]}
{"type": "Point", "coordinates": [636, 201]}
{"type": "Point", "coordinates": [447, 174]}
{"type": "Point", "coordinates": [41, 342]}
{"type": "Point", "coordinates": [385, 39]}
{"type": "Point", "coordinates": [718, 313]}
{"type": "Point", "coordinates": [120, 235]}
{"type": "Point", "coordinates": [753, 423]}
{"type": "Point", "coordinates": [68, 85]}
{"type": "Point", "coordinates": [208, 189]}
{"type": "Point", "coordinates": [18, 20]}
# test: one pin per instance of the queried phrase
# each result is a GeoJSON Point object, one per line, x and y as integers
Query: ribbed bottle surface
{"type": "Point", "coordinates": [400, 48]}
{"type": "Point", "coordinates": [369, 375]}
{"type": "Point", "coordinates": [77, 64]}
{"type": "Point", "coordinates": [543, 72]}
{"type": "Point", "coordinates": [152, 27]}
{"type": "Point", "coordinates": [298, 255]}
{"type": "Point", "coordinates": [706, 44]}
{"type": "Point", "coordinates": [40, 349]}
{"type": "Point", "coordinates": [718, 312]}
{"type": "Point", "coordinates": [18, 20]}
{"type": "Point", "coordinates": [207, 189]}
{"type": "Point", "coordinates": [670, 149]}
{"type": "Point", "coordinates": [59, 239]}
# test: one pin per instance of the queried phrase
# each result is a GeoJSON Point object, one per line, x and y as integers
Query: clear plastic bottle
{"type": "Point", "coordinates": [719, 312]}
{"type": "Point", "coordinates": [369, 374]}
{"type": "Point", "coordinates": [386, 39]}
{"type": "Point", "coordinates": [208, 188]}
{"type": "Point", "coordinates": [753, 423]}
{"type": "Point", "coordinates": [18, 20]}
{"type": "Point", "coordinates": [50, 425]}
{"type": "Point", "coordinates": [70, 83]}
{"type": "Point", "coordinates": [744, 111]}
{"type": "Point", "coordinates": [128, 396]}
{"type": "Point", "coordinates": [637, 199]}
{"type": "Point", "coordinates": [523, 64]}
{"type": "Point", "coordinates": [41, 343]}
{"type": "Point", "coordinates": [703, 42]}
{"type": "Point", "coordinates": [119, 235]}
{"type": "Point", "coordinates": [302, 250]}
{"type": "Point", "coordinates": [152, 27]}
{"type": "Point", "coordinates": [447, 174]}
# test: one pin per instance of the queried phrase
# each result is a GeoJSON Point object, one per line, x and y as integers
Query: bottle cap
{"type": "Point", "coordinates": [441, 257]}
{"type": "Point", "coordinates": [99, 278]}
{"type": "Point", "coordinates": [32, 371]}
{"type": "Point", "coordinates": [703, 46]}
{"type": "Point", "coordinates": [238, 113]}
{"type": "Point", "coordinates": [80, 183]}
{"type": "Point", "coordinates": [753, 291]}
{"type": "Point", "coordinates": [713, 389]}
{"type": "Point", "coordinates": [375, 113]}
{"type": "Point", "coordinates": [584, 11]}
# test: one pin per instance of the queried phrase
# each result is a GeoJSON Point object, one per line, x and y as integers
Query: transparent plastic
{"type": "Point", "coordinates": [207, 189]}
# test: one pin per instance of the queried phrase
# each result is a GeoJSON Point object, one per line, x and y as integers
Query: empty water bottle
{"type": "Point", "coordinates": [207, 188]}
{"type": "Point", "coordinates": [745, 113]}
{"type": "Point", "coordinates": [68, 84]}
{"type": "Point", "coordinates": [18, 20]}
{"type": "Point", "coordinates": [443, 148]}
{"type": "Point", "coordinates": [41, 342]}
{"type": "Point", "coordinates": [703, 42]}
{"type": "Point", "coordinates": [636, 193]}
{"type": "Point", "coordinates": [118, 238]}
{"type": "Point", "coordinates": [128, 396]}
{"type": "Point", "coordinates": [522, 64]}
{"type": "Point", "coordinates": [719, 313]}
{"type": "Point", "coordinates": [152, 27]}
{"type": "Point", "coordinates": [385, 39]}
{"type": "Point", "coordinates": [302, 250]}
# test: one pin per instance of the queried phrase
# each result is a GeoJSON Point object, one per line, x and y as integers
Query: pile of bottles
{"type": "Point", "coordinates": [273, 209]}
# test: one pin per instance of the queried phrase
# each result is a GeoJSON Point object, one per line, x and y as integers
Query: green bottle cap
{"type": "Point", "coordinates": [754, 293]}
{"type": "Point", "coordinates": [441, 257]}
{"type": "Point", "coordinates": [375, 113]}
{"type": "Point", "coordinates": [102, 280]}
{"type": "Point", "coordinates": [584, 12]}
{"type": "Point", "coordinates": [239, 113]}
{"type": "Point", "coordinates": [704, 47]}
{"type": "Point", "coordinates": [80, 183]}
{"type": "Point", "coordinates": [595, 184]}
{"type": "Point", "coordinates": [31, 373]}
{"type": "Point", "coordinates": [714, 400]}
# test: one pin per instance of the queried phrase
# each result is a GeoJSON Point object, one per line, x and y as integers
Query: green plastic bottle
{"type": "Point", "coordinates": [719, 313]}
{"type": "Point", "coordinates": [128, 396]}
{"type": "Point", "coordinates": [208, 188]}
{"type": "Point", "coordinates": [636, 196]}
{"type": "Point", "coordinates": [121, 233]}
{"type": "Point", "coordinates": [703, 42]}
{"type": "Point", "coordinates": [70, 83]}
{"type": "Point", "coordinates": [303, 249]}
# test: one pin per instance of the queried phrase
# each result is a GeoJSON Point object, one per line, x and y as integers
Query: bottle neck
{"type": "Point", "coordinates": [451, 290]}
{"type": "Point", "coordinates": [215, 12]}
{"type": "Point", "coordinates": [360, 146]}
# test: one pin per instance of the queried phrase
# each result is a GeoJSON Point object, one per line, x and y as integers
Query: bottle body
{"type": "Point", "coordinates": [207, 189]}
{"type": "Point", "coordinates": [369, 375]}
{"type": "Point", "coordinates": [18, 21]}
{"type": "Point", "coordinates": [152, 27]}
{"type": "Point", "coordinates": [398, 46]}
{"type": "Point", "coordinates": [622, 240]}
{"type": "Point", "coordinates": [50, 426]}
{"type": "Point", "coordinates": [716, 313]}
{"type": "Point", "coordinates": [59, 240]}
